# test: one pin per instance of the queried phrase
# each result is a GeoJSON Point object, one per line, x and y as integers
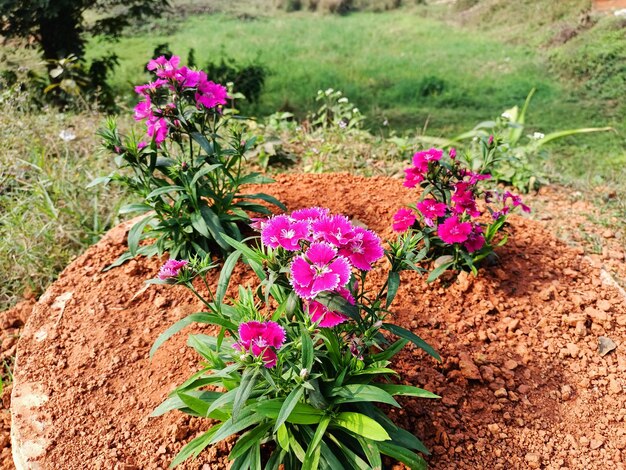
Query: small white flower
{"type": "Point", "coordinates": [342, 100]}
{"type": "Point", "coordinates": [356, 111]}
{"type": "Point", "coordinates": [243, 357]}
{"type": "Point", "coordinates": [506, 115]}
{"type": "Point", "coordinates": [342, 124]}
{"type": "Point", "coordinates": [67, 135]}
{"type": "Point", "coordinates": [538, 135]}
{"type": "Point", "coordinates": [329, 91]}
{"type": "Point", "coordinates": [304, 373]}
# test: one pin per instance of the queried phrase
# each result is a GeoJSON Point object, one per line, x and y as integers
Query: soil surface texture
{"type": "Point", "coordinates": [524, 382]}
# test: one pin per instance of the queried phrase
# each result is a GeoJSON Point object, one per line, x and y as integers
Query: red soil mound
{"type": "Point", "coordinates": [522, 381]}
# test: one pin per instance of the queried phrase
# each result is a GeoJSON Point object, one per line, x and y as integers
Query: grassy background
{"type": "Point", "coordinates": [388, 64]}
{"type": "Point", "coordinates": [479, 58]}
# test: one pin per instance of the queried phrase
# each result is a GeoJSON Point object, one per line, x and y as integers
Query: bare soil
{"type": "Point", "coordinates": [523, 383]}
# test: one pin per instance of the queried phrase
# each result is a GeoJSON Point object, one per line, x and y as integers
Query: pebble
{"type": "Point", "coordinates": [510, 364]}
{"type": "Point", "coordinates": [566, 392]}
{"type": "Point", "coordinates": [533, 459]}
{"type": "Point", "coordinates": [572, 349]}
{"type": "Point", "coordinates": [494, 428]}
{"type": "Point", "coordinates": [614, 386]}
{"type": "Point", "coordinates": [596, 443]}
{"type": "Point", "coordinates": [468, 369]}
{"type": "Point", "coordinates": [501, 393]}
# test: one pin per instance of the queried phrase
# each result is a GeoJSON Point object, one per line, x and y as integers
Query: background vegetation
{"type": "Point", "coordinates": [411, 68]}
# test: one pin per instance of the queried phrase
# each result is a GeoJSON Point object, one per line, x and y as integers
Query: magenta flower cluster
{"type": "Point", "coordinates": [324, 249]}
{"type": "Point", "coordinates": [261, 339]}
{"type": "Point", "coordinates": [171, 268]}
{"type": "Point", "coordinates": [173, 82]}
{"type": "Point", "coordinates": [456, 219]}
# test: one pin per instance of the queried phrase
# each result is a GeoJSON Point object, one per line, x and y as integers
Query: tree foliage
{"type": "Point", "coordinates": [59, 26]}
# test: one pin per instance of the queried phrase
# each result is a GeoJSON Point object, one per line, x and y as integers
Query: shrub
{"type": "Point", "coordinates": [447, 224]}
{"type": "Point", "coordinates": [189, 169]}
{"type": "Point", "coordinates": [302, 360]}
{"type": "Point", "coordinates": [246, 79]}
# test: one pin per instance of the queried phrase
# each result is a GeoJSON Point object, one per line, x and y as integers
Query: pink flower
{"type": "Point", "coordinates": [211, 94]}
{"type": "Point", "coordinates": [413, 177]}
{"type": "Point", "coordinates": [280, 230]}
{"type": "Point", "coordinates": [142, 145]}
{"type": "Point", "coordinates": [475, 241]}
{"type": "Point", "coordinates": [143, 110]}
{"type": "Point", "coordinates": [150, 88]}
{"type": "Point", "coordinates": [421, 159]}
{"type": "Point", "coordinates": [326, 318]}
{"type": "Point", "coordinates": [319, 270]}
{"type": "Point", "coordinates": [452, 153]}
{"type": "Point", "coordinates": [334, 229]}
{"type": "Point", "coordinates": [257, 223]}
{"type": "Point", "coordinates": [261, 339]}
{"type": "Point", "coordinates": [517, 201]}
{"type": "Point", "coordinates": [463, 199]}
{"type": "Point", "coordinates": [171, 268]}
{"type": "Point", "coordinates": [454, 231]}
{"type": "Point", "coordinates": [403, 219]}
{"type": "Point", "coordinates": [309, 214]}
{"type": "Point", "coordinates": [431, 210]}
{"type": "Point", "coordinates": [157, 128]}
{"type": "Point", "coordinates": [490, 140]}
{"type": "Point", "coordinates": [363, 249]}
{"type": "Point", "coordinates": [164, 68]}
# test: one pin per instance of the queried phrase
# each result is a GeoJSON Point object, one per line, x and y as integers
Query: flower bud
{"type": "Point", "coordinates": [304, 373]}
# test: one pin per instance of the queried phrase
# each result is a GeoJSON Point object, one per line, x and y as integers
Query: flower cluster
{"type": "Point", "coordinates": [171, 269]}
{"type": "Point", "coordinates": [261, 339]}
{"type": "Point", "coordinates": [323, 248]}
{"type": "Point", "coordinates": [160, 99]}
{"type": "Point", "coordinates": [449, 209]}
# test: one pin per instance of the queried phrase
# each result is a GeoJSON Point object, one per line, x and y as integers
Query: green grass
{"type": "Point", "coordinates": [385, 62]}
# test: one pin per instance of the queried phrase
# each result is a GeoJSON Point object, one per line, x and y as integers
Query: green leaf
{"type": "Point", "coordinates": [264, 197]}
{"type": "Point", "coordinates": [370, 449]}
{"type": "Point", "coordinates": [195, 446]}
{"type": "Point", "coordinates": [227, 270]}
{"type": "Point", "coordinates": [203, 142]}
{"type": "Point", "coordinates": [246, 419]}
{"type": "Point", "coordinates": [302, 413]}
{"type": "Point", "coordinates": [391, 351]}
{"type": "Point", "coordinates": [288, 406]}
{"type": "Point", "coordinates": [407, 391]}
{"type": "Point", "coordinates": [412, 337]}
{"type": "Point", "coordinates": [214, 225]}
{"type": "Point", "coordinates": [392, 287]}
{"type": "Point", "coordinates": [255, 178]}
{"type": "Point", "coordinates": [135, 233]}
{"type": "Point", "coordinates": [204, 171]}
{"type": "Point", "coordinates": [407, 457]}
{"type": "Point", "coordinates": [312, 456]}
{"type": "Point", "coordinates": [175, 402]}
{"type": "Point", "coordinates": [135, 208]}
{"type": "Point", "coordinates": [248, 252]}
{"type": "Point", "coordinates": [308, 352]}
{"type": "Point", "coordinates": [282, 437]}
{"type": "Point", "coordinates": [163, 190]}
{"type": "Point", "coordinates": [336, 303]}
{"type": "Point", "coordinates": [248, 380]}
{"type": "Point", "coordinates": [200, 317]}
{"type": "Point", "coordinates": [360, 392]}
{"type": "Point", "coordinates": [197, 222]}
{"type": "Point", "coordinates": [560, 134]}
{"type": "Point", "coordinates": [196, 404]}
{"type": "Point", "coordinates": [361, 425]}
{"type": "Point", "coordinates": [438, 271]}
{"type": "Point", "coordinates": [248, 439]}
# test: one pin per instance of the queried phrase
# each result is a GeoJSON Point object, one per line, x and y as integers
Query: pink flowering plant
{"type": "Point", "coordinates": [187, 165]}
{"type": "Point", "coordinates": [297, 362]}
{"type": "Point", "coordinates": [457, 221]}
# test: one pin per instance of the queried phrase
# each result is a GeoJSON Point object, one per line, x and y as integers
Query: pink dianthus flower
{"type": "Point", "coordinates": [319, 270]}
{"type": "Point", "coordinates": [157, 128]}
{"type": "Point", "coordinates": [421, 159]}
{"type": "Point", "coordinates": [413, 177]}
{"type": "Point", "coordinates": [143, 110]}
{"type": "Point", "coordinates": [363, 249]}
{"type": "Point", "coordinates": [334, 229]}
{"type": "Point", "coordinates": [309, 214]}
{"type": "Point", "coordinates": [431, 210]}
{"type": "Point", "coordinates": [280, 230]}
{"type": "Point", "coordinates": [211, 94]}
{"type": "Point", "coordinates": [163, 67]}
{"type": "Point", "coordinates": [453, 231]}
{"type": "Point", "coordinates": [463, 199]}
{"type": "Point", "coordinates": [403, 219]}
{"type": "Point", "coordinates": [475, 240]}
{"type": "Point", "coordinates": [171, 268]}
{"type": "Point", "coordinates": [326, 318]}
{"type": "Point", "coordinates": [261, 339]}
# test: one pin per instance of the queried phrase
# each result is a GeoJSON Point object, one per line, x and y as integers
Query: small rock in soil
{"type": "Point", "coordinates": [605, 345]}
{"type": "Point", "coordinates": [468, 369]}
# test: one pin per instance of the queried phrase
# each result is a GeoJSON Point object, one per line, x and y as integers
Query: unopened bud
{"type": "Point", "coordinates": [304, 373]}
